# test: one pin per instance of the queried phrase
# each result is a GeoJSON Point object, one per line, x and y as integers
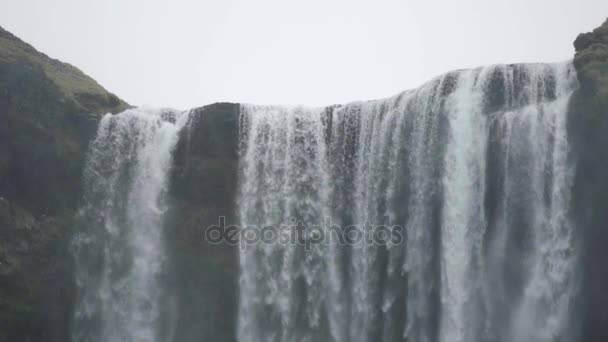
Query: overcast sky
{"type": "Point", "coordinates": [186, 53]}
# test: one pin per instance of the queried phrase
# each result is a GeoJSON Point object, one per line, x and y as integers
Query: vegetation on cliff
{"type": "Point", "coordinates": [48, 113]}
{"type": "Point", "coordinates": [85, 93]}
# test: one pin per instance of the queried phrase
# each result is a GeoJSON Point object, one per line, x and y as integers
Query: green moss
{"type": "Point", "coordinates": [45, 127]}
{"type": "Point", "coordinates": [73, 83]}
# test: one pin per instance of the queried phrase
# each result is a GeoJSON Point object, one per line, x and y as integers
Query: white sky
{"type": "Point", "coordinates": [187, 53]}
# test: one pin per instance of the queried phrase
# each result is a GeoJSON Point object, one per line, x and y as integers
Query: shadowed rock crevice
{"type": "Point", "coordinates": [49, 111]}
{"type": "Point", "coordinates": [203, 189]}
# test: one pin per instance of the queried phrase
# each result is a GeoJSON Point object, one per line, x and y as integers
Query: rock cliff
{"type": "Point", "coordinates": [588, 124]}
{"type": "Point", "coordinates": [49, 112]}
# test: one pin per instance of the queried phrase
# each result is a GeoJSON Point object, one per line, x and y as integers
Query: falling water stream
{"type": "Point", "coordinates": [437, 215]}
{"type": "Point", "coordinates": [120, 253]}
{"type": "Point", "coordinates": [471, 168]}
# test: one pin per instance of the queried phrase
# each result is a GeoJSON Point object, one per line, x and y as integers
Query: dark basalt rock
{"type": "Point", "coordinates": [203, 189]}
{"type": "Point", "coordinates": [48, 113]}
{"type": "Point", "coordinates": [35, 295]}
{"type": "Point", "coordinates": [591, 63]}
{"type": "Point", "coordinates": [588, 130]}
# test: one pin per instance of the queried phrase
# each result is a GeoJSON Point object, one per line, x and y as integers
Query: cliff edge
{"type": "Point", "coordinates": [48, 112]}
{"type": "Point", "coordinates": [588, 130]}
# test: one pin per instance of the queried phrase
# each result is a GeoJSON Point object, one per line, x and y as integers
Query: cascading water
{"type": "Point", "coordinates": [120, 253]}
{"type": "Point", "coordinates": [471, 170]}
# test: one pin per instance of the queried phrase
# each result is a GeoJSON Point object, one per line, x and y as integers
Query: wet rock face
{"type": "Point", "coordinates": [588, 126]}
{"type": "Point", "coordinates": [207, 155]}
{"type": "Point", "coordinates": [591, 62]}
{"type": "Point", "coordinates": [45, 128]}
{"type": "Point", "coordinates": [35, 296]}
{"type": "Point", "coordinates": [203, 189]}
{"type": "Point", "coordinates": [48, 113]}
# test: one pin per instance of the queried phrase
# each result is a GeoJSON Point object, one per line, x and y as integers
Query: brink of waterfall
{"type": "Point", "coordinates": [472, 208]}
{"type": "Point", "coordinates": [120, 253]}
{"type": "Point", "coordinates": [471, 172]}
{"type": "Point", "coordinates": [441, 214]}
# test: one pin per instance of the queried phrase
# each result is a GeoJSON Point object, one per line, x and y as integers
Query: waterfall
{"type": "Point", "coordinates": [438, 215]}
{"type": "Point", "coordinates": [119, 251]}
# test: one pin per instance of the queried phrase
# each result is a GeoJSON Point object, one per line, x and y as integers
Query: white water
{"type": "Point", "coordinates": [120, 254]}
{"type": "Point", "coordinates": [473, 166]}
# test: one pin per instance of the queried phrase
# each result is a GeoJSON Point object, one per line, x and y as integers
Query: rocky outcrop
{"type": "Point", "coordinates": [588, 126]}
{"type": "Point", "coordinates": [591, 63]}
{"type": "Point", "coordinates": [78, 90]}
{"type": "Point", "coordinates": [35, 295]}
{"type": "Point", "coordinates": [48, 112]}
{"type": "Point", "coordinates": [203, 187]}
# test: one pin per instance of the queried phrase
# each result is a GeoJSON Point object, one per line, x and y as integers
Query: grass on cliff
{"type": "Point", "coordinates": [72, 81]}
